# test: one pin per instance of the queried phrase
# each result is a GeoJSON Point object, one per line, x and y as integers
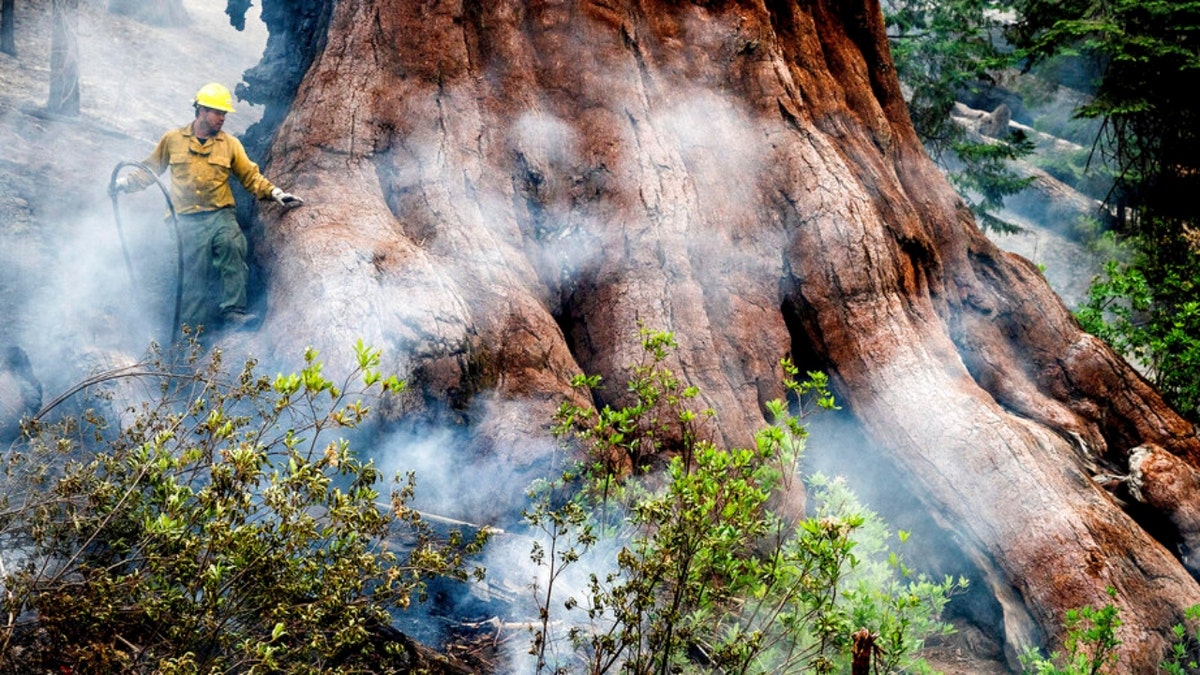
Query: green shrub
{"type": "Point", "coordinates": [1151, 314]}
{"type": "Point", "coordinates": [225, 527]}
{"type": "Point", "coordinates": [1183, 658]}
{"type": "Point", "coordinates": [1090, 647]}
{"type": "Point", "coordinates": [712, 571]}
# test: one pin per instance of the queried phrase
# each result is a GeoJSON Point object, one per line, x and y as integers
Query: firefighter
{"type": "Point", "coordinates": [201, 157]}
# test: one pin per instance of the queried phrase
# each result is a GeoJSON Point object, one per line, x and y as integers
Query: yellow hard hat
{"type": "Point", "coordinates": [215, 96]}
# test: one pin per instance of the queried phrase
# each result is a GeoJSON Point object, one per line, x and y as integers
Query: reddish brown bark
{"type": "Point", "coordinates": [499, 193]}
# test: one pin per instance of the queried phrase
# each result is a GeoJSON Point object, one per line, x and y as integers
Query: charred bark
{"type": "Point", "coordinates": [500, 193]}
{"type": "Point", "coordinates": [297, 32]}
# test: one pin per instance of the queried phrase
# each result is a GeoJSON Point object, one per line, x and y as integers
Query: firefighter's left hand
{"type": "Point", "coordinates": [285, 199]}
{"type": "Point", "coordinates": [120, 185]}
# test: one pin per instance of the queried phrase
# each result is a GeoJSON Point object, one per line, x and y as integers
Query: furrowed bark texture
{"type": "Point", "coordinates": [499, 193]}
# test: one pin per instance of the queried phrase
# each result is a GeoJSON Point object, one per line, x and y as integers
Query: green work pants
{"type": "Point", "coordinates": [214, 266]}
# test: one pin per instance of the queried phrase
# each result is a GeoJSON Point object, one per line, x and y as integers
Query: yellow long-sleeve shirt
{"type": "Point", "coordinates": [200, 171]}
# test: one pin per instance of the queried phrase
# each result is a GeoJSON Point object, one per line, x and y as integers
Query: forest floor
{"type": "Point", "coordinates": [137, 81]}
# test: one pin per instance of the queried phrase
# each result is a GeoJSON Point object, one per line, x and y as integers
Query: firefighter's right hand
{"type": "Point", "coordinates": [285, 199]}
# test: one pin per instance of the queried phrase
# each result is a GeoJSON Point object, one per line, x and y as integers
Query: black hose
{"type": "Point", "coordinates": [112, 191]}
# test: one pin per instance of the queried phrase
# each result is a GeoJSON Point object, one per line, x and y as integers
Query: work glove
{"type": "Point", "coordinates": [286, 200]}
{"type": "Point", "coordinates": [119, 185]}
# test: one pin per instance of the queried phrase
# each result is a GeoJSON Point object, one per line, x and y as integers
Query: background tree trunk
{"type": "Point", "coordinates": [153, 12]}
{"type": "Point", "coordinates": [8, 23]}
{"type": "Point", "coordinates": [500, 193]}
{"type": "Point", "coordinates": [64, 59]}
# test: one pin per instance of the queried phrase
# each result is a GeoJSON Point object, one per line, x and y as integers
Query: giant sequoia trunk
{"type": "Point", "coordinates": [499, 193]}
